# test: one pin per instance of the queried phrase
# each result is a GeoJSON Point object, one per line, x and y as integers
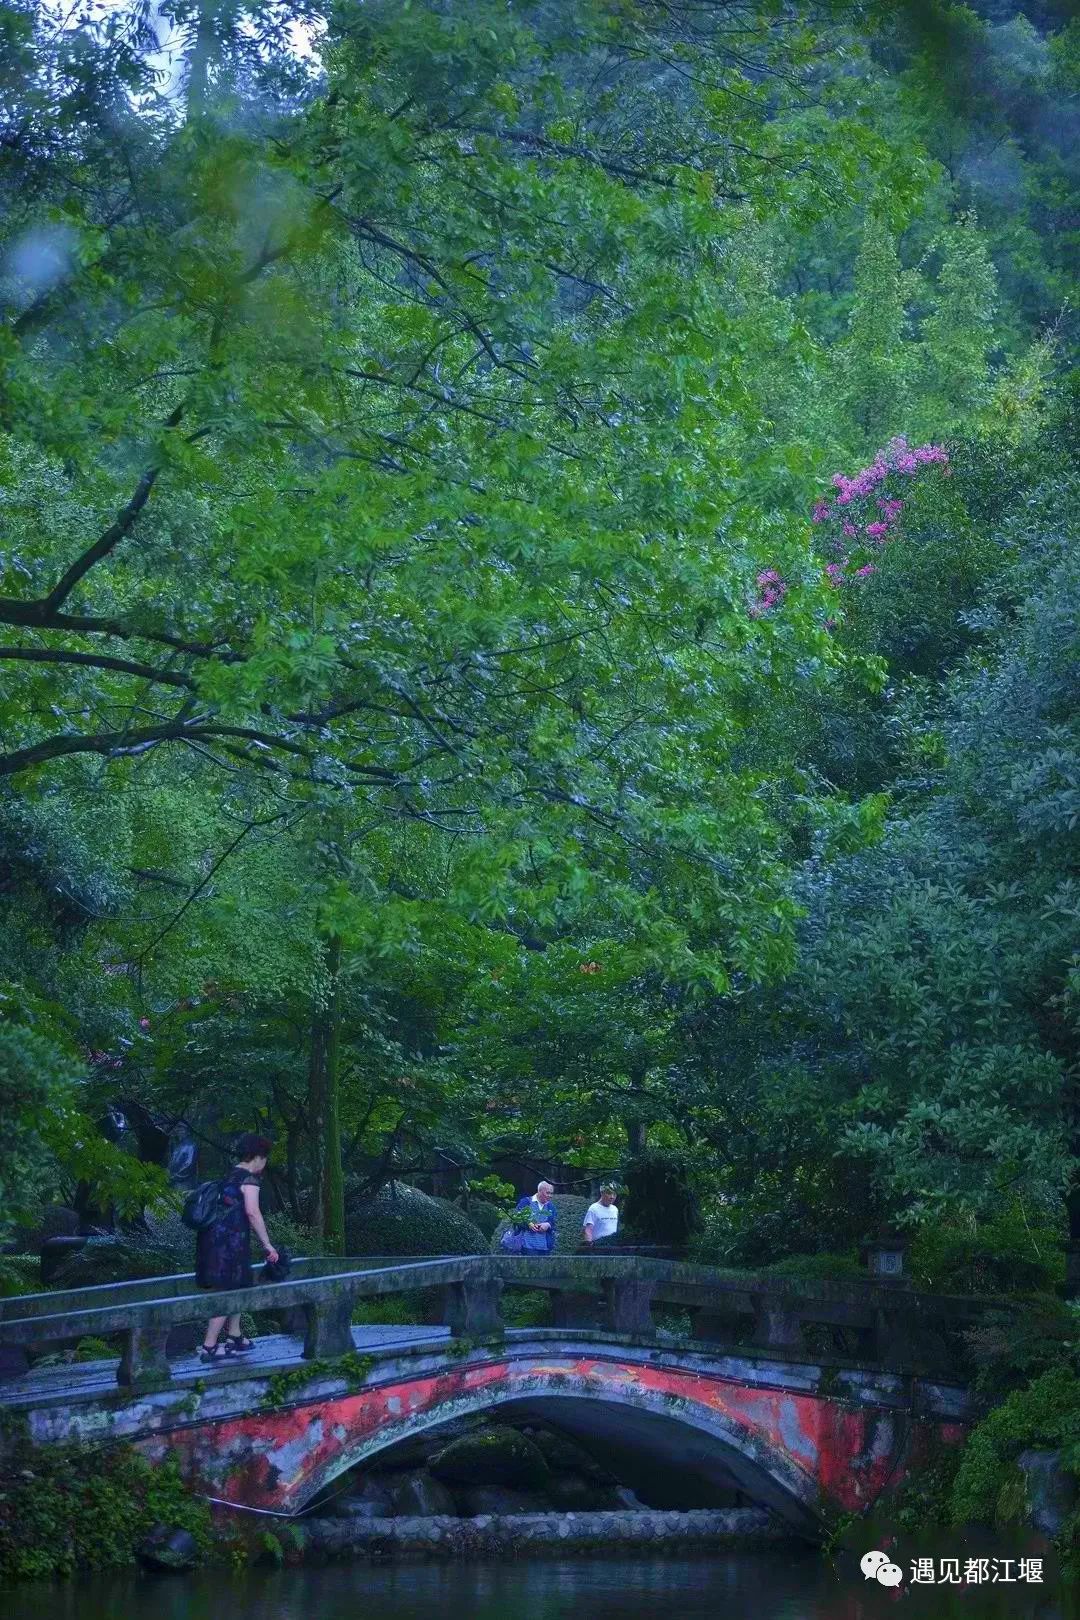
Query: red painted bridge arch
{"type": "Point", "coordinates": [806, 1444]}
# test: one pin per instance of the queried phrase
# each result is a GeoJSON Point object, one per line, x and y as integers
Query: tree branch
{"type": "Point", "coordinates": [125, 666]}
{"type": "Point", "coordinates": [113, 534]}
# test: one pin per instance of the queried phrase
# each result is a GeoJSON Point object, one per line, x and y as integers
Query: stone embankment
{"type": "Point", "coordinates": [497, 1535]}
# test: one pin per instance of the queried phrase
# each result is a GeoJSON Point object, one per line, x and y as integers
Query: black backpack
{"type": "Point", "coordinates": [203, 1206]}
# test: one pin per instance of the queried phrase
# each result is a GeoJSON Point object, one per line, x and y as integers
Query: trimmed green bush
{"type": "Point", "coordinates": [660, 1190]}
{"type": "Point", "coordinates": [485, 1215]}
{"type": "Point", "coordinates": [830, 1267]}
{"type": "Point", "coordinates": [402, 1220]}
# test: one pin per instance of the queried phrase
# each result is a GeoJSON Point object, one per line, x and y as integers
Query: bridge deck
{"type": "Point", "coordinates": [75, 1380]}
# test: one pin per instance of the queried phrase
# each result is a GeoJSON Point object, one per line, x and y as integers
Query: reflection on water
{"type": "Point", "coordinates": [785, 1584]}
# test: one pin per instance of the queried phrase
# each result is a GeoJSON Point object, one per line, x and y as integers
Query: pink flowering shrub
{"type": "Point", "coordinates": [874, 494]}
{"type": "Point", "coordinates": [865, 510]}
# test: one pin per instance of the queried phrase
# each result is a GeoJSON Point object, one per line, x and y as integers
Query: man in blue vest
{"type": "Point", "coordinates": [540, 1237]}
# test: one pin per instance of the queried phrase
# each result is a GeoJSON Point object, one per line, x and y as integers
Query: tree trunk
{"type": "Point", "coordinates": [328, 1192]}
{"type": "Point", "coordinates": [199, 60]}
{"type": "Point", "coordinates": [291, 1182]}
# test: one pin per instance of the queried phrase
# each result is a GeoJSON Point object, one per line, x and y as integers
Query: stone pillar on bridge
{"type": "Point", "coordinates": [629, 1306]}
{"type": "Point", "coordinates": [144, 1363]}
{"type": "Point", "coordinates": [776, 1325]}
{"type": "Point", "coordinates": [471, 1308]}
{"type": "Point", "coordinates": [329, 1326]}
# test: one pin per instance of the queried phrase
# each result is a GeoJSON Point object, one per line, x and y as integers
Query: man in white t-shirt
{"type": "Point", "coordinates": [602, 1218]}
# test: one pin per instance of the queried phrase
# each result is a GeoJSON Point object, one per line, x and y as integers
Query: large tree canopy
{"type": "Point", "coordinates": [499, 503]}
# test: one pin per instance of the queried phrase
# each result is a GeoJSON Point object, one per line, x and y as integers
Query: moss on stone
{"type": "Point", "coordinates": [284, 1387]}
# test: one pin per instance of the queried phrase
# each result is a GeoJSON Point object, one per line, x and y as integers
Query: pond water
{"type": "Point", "coordinates": [783, 1584]}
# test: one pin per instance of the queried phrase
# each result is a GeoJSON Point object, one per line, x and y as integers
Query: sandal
{"type": "Point", "coordinates": [237, 1345]}
{"type": "Point", "coordinates": [213, 1352]}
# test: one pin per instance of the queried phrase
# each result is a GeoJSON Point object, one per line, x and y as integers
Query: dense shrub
{"type": "Point", "coordinates": [662, 1196]}
{"type": "Point", "coordinates": [19, 1274]}
{"type": "Point", "coordinates": [484, 1214]}
{"type": "Point", "coordinates": [401, 1220]}
{"type": "Point", "coordinates": [1046, 1413]}
{"type": "Point", "coordinates": [1027, 1336]}
{"type": "Point", "coordinates": [830, 1267]}
{"type": "Point", "coordinates": [1000, 1256]}
{"type": "Point", "coordinates": [64, 1509]}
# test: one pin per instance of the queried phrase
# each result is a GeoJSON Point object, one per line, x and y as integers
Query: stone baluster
{"type": "Point", "coordinates": [570, 1309]}
{"type": "Point", "coordinates": [777, 1325]}
{"type": "Point", "coordinates": [471, 1308]}
{"type": "Point", "coordinates": [329, 1323]}
{"type": "Point", "coordinates": [629, 1306]}
{"type": "Point", "coordinates": [144, 1363]}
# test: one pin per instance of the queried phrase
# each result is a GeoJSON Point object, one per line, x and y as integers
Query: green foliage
{"type": "Point", "coordinates": [160, 1246]}
{"type": "Point", "coordinates": [47, 1135]}
{"type": "Point", "coordinates": [64, 1509]}
{"type": "Point", "coordinates": [1046, 1413]}
{"type": "Point", "coordinates": [876, 361]}
{"type": "Point", "coordinates": [959, 331]}
{"type": "Point", "coordinates": [389, 446]}
{"type": "Point", "coordinates": [925, 1497]}
{"type": "Point", "coordinates": [408, 1306]}
{"type": "Point", "coordinates": [526, 1307]}
{"type": "Point", "coordinates": [1001, 1255]}
{"type": "Point", "coordinates": [830, 1267]}
{"type": "Point", "coordinates": [484, 1215]}
{"type": "Point", "coordinates": [1032, 1334]}
{"type": "Point", "coordinates": [19, 1274]}
{"type": "Point", "coordinates": [402, 1220]}
{"type": "Point", "coordinates": [663, 1198]}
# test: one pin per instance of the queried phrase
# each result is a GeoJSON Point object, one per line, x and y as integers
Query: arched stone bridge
{"type": "Point", "coordinates": [814, 1398]}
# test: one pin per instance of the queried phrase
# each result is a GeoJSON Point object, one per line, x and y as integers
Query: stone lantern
{"type": "Point", "coordinates": [884, 1256]}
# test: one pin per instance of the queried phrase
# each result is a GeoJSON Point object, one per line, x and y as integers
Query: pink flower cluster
{"type": "Point", "coordinates": [897, 458]}
{"type": "Point", "coordinates": [772, 588]}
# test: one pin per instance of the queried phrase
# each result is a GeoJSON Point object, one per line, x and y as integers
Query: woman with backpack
{"type": "Point", "coordinates": [223, 1246]}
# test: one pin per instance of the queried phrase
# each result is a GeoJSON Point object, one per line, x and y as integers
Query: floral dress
{"type": "Point", "coordinates": [223, 1250]}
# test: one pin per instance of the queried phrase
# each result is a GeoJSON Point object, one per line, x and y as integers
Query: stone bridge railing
{"type": "Point", "coordinates": [872, 1323]}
